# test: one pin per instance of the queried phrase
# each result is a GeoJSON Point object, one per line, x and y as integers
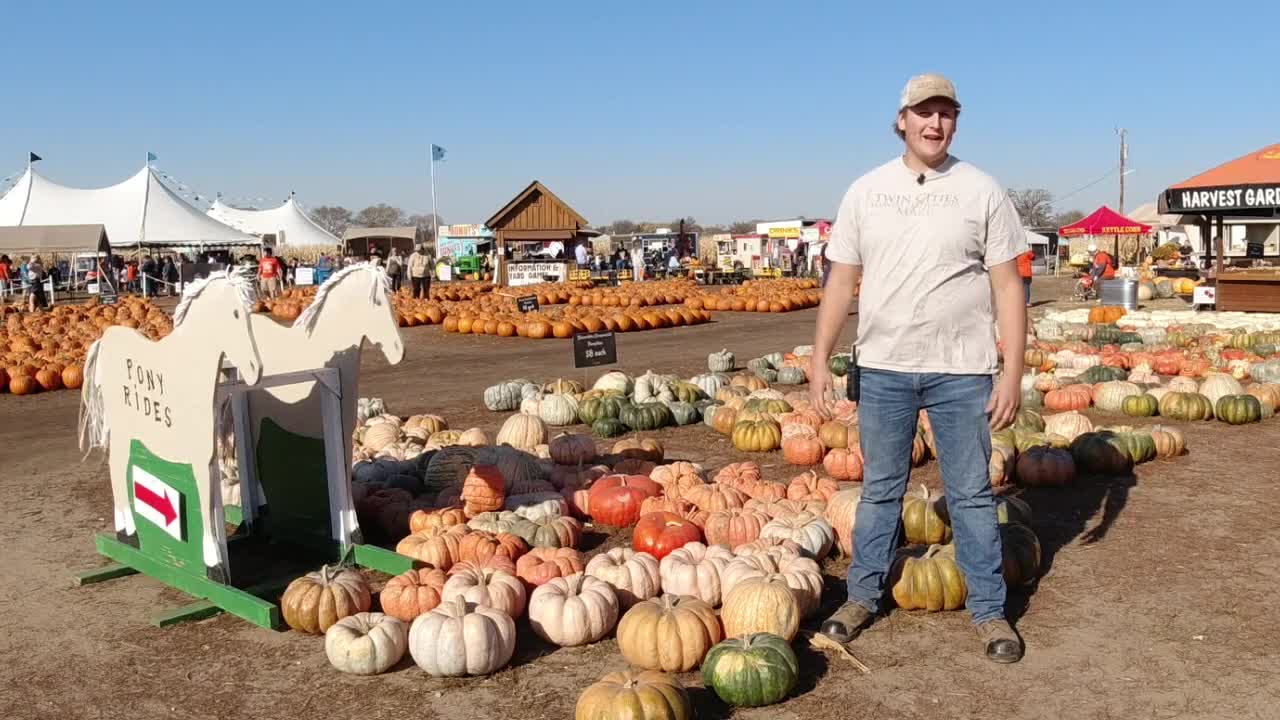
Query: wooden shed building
{"type": "Point", "coordinates": [530, 229]}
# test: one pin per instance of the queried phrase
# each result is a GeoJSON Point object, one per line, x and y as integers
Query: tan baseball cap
{"type": "Point", "coordinates": [922, 87]}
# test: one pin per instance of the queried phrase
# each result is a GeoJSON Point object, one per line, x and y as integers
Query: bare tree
{"type": "Point", "coordinates": [426, 225]}
{"type": "Point", "coordinates": [380, 215]}
{"type": "Point", "coordinates": [1066, 218]}
{"type": "Point", "coordinates": [690, 224]}
{"type": "Point", "coordinates": [1034, 206]}
{"type": "Point", "coordinates": [333, 218]}
{"type": "Point", "coordinates": [742, 227]}
{"type": "Point", "coordinates": [622, 227]}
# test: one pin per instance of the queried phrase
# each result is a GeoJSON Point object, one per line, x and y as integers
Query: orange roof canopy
{"type": "Point", "coordinates": [1261, 167]}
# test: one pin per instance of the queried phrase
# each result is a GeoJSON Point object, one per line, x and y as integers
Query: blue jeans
{"type": "Point", "coordinates": [887, 416]}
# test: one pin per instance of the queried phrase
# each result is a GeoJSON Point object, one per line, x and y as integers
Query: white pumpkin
{"type": "Point", "coordinates": [574, 610]}
{"type": "Point", "coordinates": [474, 437]}
{"type": "Point", "coordinates": [800, 574]}
{"type": "Point", "coordinates": [1070, 424]}
{"type": "Point", "coordinates": [379, 436]}
{"type": "Point", "coordinates": [633, 575]}
{"type": "Point", "coordinates": [459, 638]}
{"type": "Point", "coordinates": [523, 432]}
{"type": "Point", "coordinates": [695, 569]}
{"type": "Point", "coordinates": [1182, 384]}
{"type": "Point", "coordinates": [538, 507]}
{"type": "Point", "coordinates": [615, 380]}
{"type": "Point", "coordinates": [1110, 395]}
{"type": "Point", "coordinates": [1216, 385]}
{"type": "Point", "coordinates": [558, 410]}
{"type": "Point", "coordinates": [811, 532]}
{"type": "Point", "coordinates": [486, 586]}
{"type": "Point", "coordinates": [366, 643]}
{"type": "Point", "coordinates": [503, 397]}
{"type": "Point", "coordinates": [709, 383]}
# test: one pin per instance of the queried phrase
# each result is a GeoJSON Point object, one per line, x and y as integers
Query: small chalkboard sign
{"type": "Point", "coordinates": [1253, 250]}
{"type": "Point", "coordinates": [528, 303]}
{"type": "Point", "coordinates": [594, 349]}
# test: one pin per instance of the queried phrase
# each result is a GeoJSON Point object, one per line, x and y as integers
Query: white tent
{"type": "Point", "coordinates": [289, 223]}
{"type": "Point", "coordinates": [138, 210]}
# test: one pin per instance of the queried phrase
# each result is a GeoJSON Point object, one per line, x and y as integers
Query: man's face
{"type": "Point", "coordinates": [929, 128]}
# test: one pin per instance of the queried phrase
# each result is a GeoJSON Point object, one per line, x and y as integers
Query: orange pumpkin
{"type": "Point", "coordinates": [844, 463]}
{"type": "Point", "coordinates": [483, 490]}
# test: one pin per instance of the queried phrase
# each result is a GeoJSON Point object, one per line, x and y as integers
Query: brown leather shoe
{"type": "Point", "coordinates": [1001, 643]}
{"type": "Point", "coordinates": [847, 622]}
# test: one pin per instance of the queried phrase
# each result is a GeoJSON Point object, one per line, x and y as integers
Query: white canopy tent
{"type": "Point", "coordinates": [289, 223]}
{"type": "Point", "coordinates": [139, 210]}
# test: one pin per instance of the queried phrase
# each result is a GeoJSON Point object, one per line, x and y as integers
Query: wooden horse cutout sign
{"type": "Point", "coordinates": [151, 406]}
{"type": "Point", "coordinates": [286, 422]}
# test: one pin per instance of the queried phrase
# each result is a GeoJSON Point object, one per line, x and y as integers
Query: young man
{"type": "Point", "coordinates": [931, 237]}
{"type": "Point", "coordinates": [419, 266]}
{"type": "Point", "coordinates": [395, 269]}
{"type": "Point", "coordinates": [269, 273]}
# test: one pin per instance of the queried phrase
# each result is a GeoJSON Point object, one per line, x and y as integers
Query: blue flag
{"type": "Point", "coordinates": [151, 157]}
{"type": "Point", "coordinates": [437, 152]}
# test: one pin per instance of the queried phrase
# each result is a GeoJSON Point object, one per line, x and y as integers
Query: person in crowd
{"type": "Point", "coordinates": [931, 258]}
{"type": "Point", "coordinates": [1101, 265]}
{"type": "Point", "coordinates": [270, 272]}
{"type": "Point", "coordinates": [6, 275]}
{"type": "Point", "coordinates": [1024, 272]}
{"type": "Point", "coordinates": [637, 263]}
{"type": "Point", "coordinates": [395, 269]}
{"type": "Point", "coordinates": [582, 255]}
{"type": "Point", "coordinates": [420, 266]}
{"type": "Point", "coordinates": [171, 275]}
{"type": "Point", "coordinates": [36, 297]}
{"type": "Point", "coordinates": [149, 276]}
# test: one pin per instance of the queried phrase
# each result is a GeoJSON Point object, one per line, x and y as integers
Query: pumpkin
{"type": "Point", "coordinates": [734, 526]}
{"type": "Point", "coordinates": [317, 600]}
{"type": "Point", "coordinates": [482, 490]}
{"type": "Point", "coordinates": [573, 610]}
{"type": "Point", "coordinates": [1021, 550]}
{"type": "Point", "coordinates": [460, 638]}
{"type": "Point", "coordinates": [478, 546]}
{"type": "Point", "coordinates": [838, 434]}
{"type": "Point", "coordinates": [791, 376]}
{"type": "Point", "coordinates": [695, 570]}
{"type": "Point", "coordinates": [1045, 467]}
{"type": "Point", "coordinates": [924, 519]}
{"type": "Point", "coordinates": [803, 448]}
{"type": "Point", "coordinates": [438, 547]}
{"type": "Point", "coordinates": [1072, 397]}
{"type": "Point", "coordinates": [523, 432]}
{"type": "Point", "coordinates": [715, 496]}
{"type": "Point", "coordinates": [1105, 314]}
{"type": "Point", "coordinates": [927, 578]}
{"type": "Point", "coordinates": [366, 643]}
{"type": "Point", "coordinates": [839, 365]}
{"type": "Point", "coordinates": [1169, 441]}
{"type": "Point", "coordinates": [801, 574]}
{"type": "Point", "coordinates": [608, 427]}
{"type": "Point", "coordinates": [753, 670]}
{"type": "Point", "coordinates": [488, 586]}
{"type": "Point", "coordinates": [1268, 395]}
{"type": "Point", "coordinates": [412, 593]}
{"type": "Point", "coordinates": [1012, 509]}
{"type": "Point", "coordinates": [639, 448]}
{"type": "Point", "coordinates": [678, 477]}
{"type": "Point", "coordinates": [599, 408]}
{"type": "Point", "coordinates": [615, 499]}
{"type": "Point", "coordinates": [757, 436]}
{"type": "Point", "coordinates": [812, 533]}
{"type": "Point", "coordinates": [660, 533]}
{"type": "Point", "coordinates": [646, 416]}
{"type": "Point", "coordinates": [1108, 396]}
{"type": "Point", "coordinates": [540, 565]}
{"type": "Point", "coordinates": [1070, 424]}
{"type": "Point", "coordinates": [572, 449]}
{"type": "Point", "coordinates": [1101, 453]}
{"type": "Point", "coordinates": [671, 633]}
{"type": "Point", "coordinates": [809, 485]}
{"type": "Point", "coordinates": [1143, 405]}
{"type": "Point", "coordinates": [1138, 446]}
{"type": "Point", "coordinates": [1238, 409]}
{"type": "Point", "coordinates": [841, 511]}
{"type": "Point", "coordinates": [720, 362]}
{"type": "Point", "coordinates": [636, 696]}
{"type": "Point", "coordinates": [1218, 385]}
{"type": "Point", "coordinates": [445, 517]}
{"type": "Point", "coordinates": [72, 376]}
{"type": "Point", "coordinates": [633, 575]}
{"type": "Point", "coordinates": [761, 604]}
{"type": "Point", "coordinates": [844, 463]}
{"type": "Point", "coordinates": [738, 474]}
{"type": "Point", "coordinates": [1186, 406]}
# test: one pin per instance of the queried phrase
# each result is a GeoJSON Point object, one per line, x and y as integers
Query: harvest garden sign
{"type": "Point", "coordinates": [292, 390]}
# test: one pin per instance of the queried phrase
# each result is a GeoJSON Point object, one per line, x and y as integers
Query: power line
{"type": "Point", "coordinates": [1081, 189]}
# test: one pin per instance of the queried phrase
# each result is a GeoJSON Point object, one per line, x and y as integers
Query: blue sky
{"type": "Point", "coordinates": [647, 110]}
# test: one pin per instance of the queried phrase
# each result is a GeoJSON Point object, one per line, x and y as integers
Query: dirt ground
{"type": "Point", "coordinates": [1156, 599]}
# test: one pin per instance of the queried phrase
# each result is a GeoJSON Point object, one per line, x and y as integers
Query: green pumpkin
{"type": "Point", "coordinates": [1238, 409]}
{"type": "Point", "coordinates": [1186, 406]}
{"type": "Point", "coordinates": [598, 408]}
{"type": "Point", "coordinates": [646, 416]}
{"type": "Point", "coordinates": [758, 364]}
{"type": "Point", "coordinates": [1101, 373]}
{"type": "Point", "coordinates": [1029, 420]}
{"type": "Point", "coordinates": [1013, 509]}
{"type": "Point", "coordinates": [1140, 446]}
{"type": "Point", "coordinates": [608, 427]}
{"type": "Point", "coordinates": [1143, 405]}
{"type": "Point", "coordinates": [1021, 549]}
{"type": "Point", "coordinates": [683, 413]}
{"type": "Point", "coordinates": [751, 671]}
{"type": "Point", "coordinates": [773, 406]}
{"type": "Point", "coordinates": [718, 362]}
{"type": "Point", "coordinates": [1024, 440]}
{"type": "Point", "coordinates": [1242, 340]}
{"type": "Point", "coordinates": [839, 365]}
{"type": "Point", "coordinates": [1032, 398]}
{"type": "Point", "coordinates": [1180, 339]}
{"type": "Point", "coordinates": [1101, 453]}
{"type": "Point", "coordinates": [687, 392]}
{"type": "Point", "coordinates": [1004, 437]}
{"type": "Point", "coordinates": [768, 375]}
{"type": "Point", "coordinates": [791, 376]}
{"type": "Point", "coordinates": [709, 413]}
{"type": "Point", "coordinates": [774, 359]}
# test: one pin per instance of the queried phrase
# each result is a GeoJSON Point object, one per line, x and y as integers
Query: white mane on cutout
{"type": "Point", "coordinates": [379, 283]}
{"type": "Point", "coordinates": [192, 291]}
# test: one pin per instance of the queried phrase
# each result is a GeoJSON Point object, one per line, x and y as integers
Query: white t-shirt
{"type": "Point", "coordinates": [925, 250]}
{"type": "Point", "coordinates": [580, 254]}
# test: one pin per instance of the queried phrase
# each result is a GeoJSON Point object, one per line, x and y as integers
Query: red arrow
{"type": "Point", "coordinates": [159, 503]}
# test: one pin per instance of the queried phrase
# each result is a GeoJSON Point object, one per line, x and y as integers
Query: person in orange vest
{"type": "Point", "coordinates": [1102, 265]}
{"type": "Point", "coordinates": [269, 272]}
{"type": "Point", "coordinates": [1024, 270]}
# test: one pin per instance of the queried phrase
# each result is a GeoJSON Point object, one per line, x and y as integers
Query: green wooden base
{"type": "Point", "coordinates": [383, 560]}
{"type": "Point", "coordinates": [110, 571]}
{"type": "Point", "coordinates": [197, 610]}
{"type": "Point", "coordinates": [235, 601]}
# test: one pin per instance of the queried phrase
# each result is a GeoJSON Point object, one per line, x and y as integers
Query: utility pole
{"type": "Point", "coordinates": [1124, 156]}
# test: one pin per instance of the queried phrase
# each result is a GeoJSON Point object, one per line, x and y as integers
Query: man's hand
{"type": "Point", "coordinates": [820, 388]}
{"type": "Point", "coordinates": [1005, 398]}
